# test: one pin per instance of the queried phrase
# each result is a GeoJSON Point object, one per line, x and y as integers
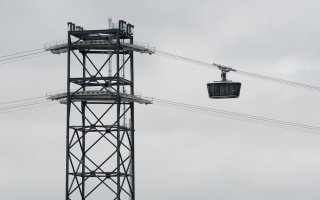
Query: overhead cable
{"type": "Point", "coordinates": [218, 66]}
{"type": "Point", "coordinates": [23, 52]}
{"type": "Point", "coordinates": [239, 116]}
{"type": "Point", "coordinates": [185, 59]}
{"type": "Point", "coordinates": [22, 100]}
{"type": "Point", "coordinates": [20, 56]}
{"type": "Point", "coordinates": [35, 102]}
{"type": "Point", "coordinates": [26, 58]}
{"type": "Point", "coordinates": [28, 108]}
{"type": "Point", "coordinates": [23, 105]}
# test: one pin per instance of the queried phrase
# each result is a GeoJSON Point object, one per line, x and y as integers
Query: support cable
{"type": "Point", "coordinates": [29, 108]}
{"type": "Point", "coordinates": [24, 55]}
{"type": "Point", "coordinates": [23, 52]}
{"type": "Point", "coordinates": [26, 58]}
{"type": "Point", "coordinates": [259, 76]}
{"type": "Point", "coordinates": [239, 116]}
{"type": "Point", "coordinates": [30, 103]}
{"type": "Point", "coordinates": [189, 60]}
{"type": "Point", "coordinates": [21, 100]}
{"type": "Point", "coordinates": [23, 105]}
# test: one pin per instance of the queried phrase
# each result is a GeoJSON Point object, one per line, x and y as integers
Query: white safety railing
{"type": "Point", "coordinates": [61, 46]}
{"type": "Point", "coordinates": [56, 44]}
{"type": "Point", "coordinates": [144, 45]}
{"type": "Point", "coordinates": [63, 93]}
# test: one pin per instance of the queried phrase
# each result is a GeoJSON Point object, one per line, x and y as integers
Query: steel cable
{"type": "Point", "coordinates": [23, 52]}
{"type": "Point", "coordinates": [23, 105]}
{"type": "Point", "coordinates": [21, 100]}
{"type": "Point", "coordinates": [35, 102]}
{"type": "Point", "coordinates": [28, 108]}
{"type": "Point", "coordinates": [218, 66]}
{"type": "Point", "coordinates": [239, 116]}
{"type": "Point", "coordinates": [21, 56]}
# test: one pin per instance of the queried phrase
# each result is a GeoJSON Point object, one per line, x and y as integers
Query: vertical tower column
{"type": "Point", "coordinates": [100, 148]}
{"type": "Point", "coordinates": [100, 126]}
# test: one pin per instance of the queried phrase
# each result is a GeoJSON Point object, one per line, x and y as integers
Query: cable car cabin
{"type": "Point", "coordinates": [224, 89]}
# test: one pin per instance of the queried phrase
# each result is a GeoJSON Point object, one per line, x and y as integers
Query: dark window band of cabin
{"type": "Point", "coordinates": [224, 89]}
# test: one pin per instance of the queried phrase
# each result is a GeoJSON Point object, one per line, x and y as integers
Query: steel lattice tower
{"type": "Point", "coordinates": [100, 112]}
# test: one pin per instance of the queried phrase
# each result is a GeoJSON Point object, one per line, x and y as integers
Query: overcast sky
{"type": "Point", "coordinates": [179, 154]}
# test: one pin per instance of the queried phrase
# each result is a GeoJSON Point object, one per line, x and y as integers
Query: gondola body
{"type": "Point", "coordinates": [224, 89]}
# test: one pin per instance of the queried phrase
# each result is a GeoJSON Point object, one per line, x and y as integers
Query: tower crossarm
{"type": "Point", "coordinates": [62, 46]}
{"type": "Point", "coordinates": [98, 95]}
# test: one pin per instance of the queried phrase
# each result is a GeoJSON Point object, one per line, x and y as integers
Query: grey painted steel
{"type": "Point", "coordinates": [94, 115]}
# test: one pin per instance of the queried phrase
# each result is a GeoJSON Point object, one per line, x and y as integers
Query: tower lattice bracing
{"type": "Point", "coordinates": [100, 112]}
